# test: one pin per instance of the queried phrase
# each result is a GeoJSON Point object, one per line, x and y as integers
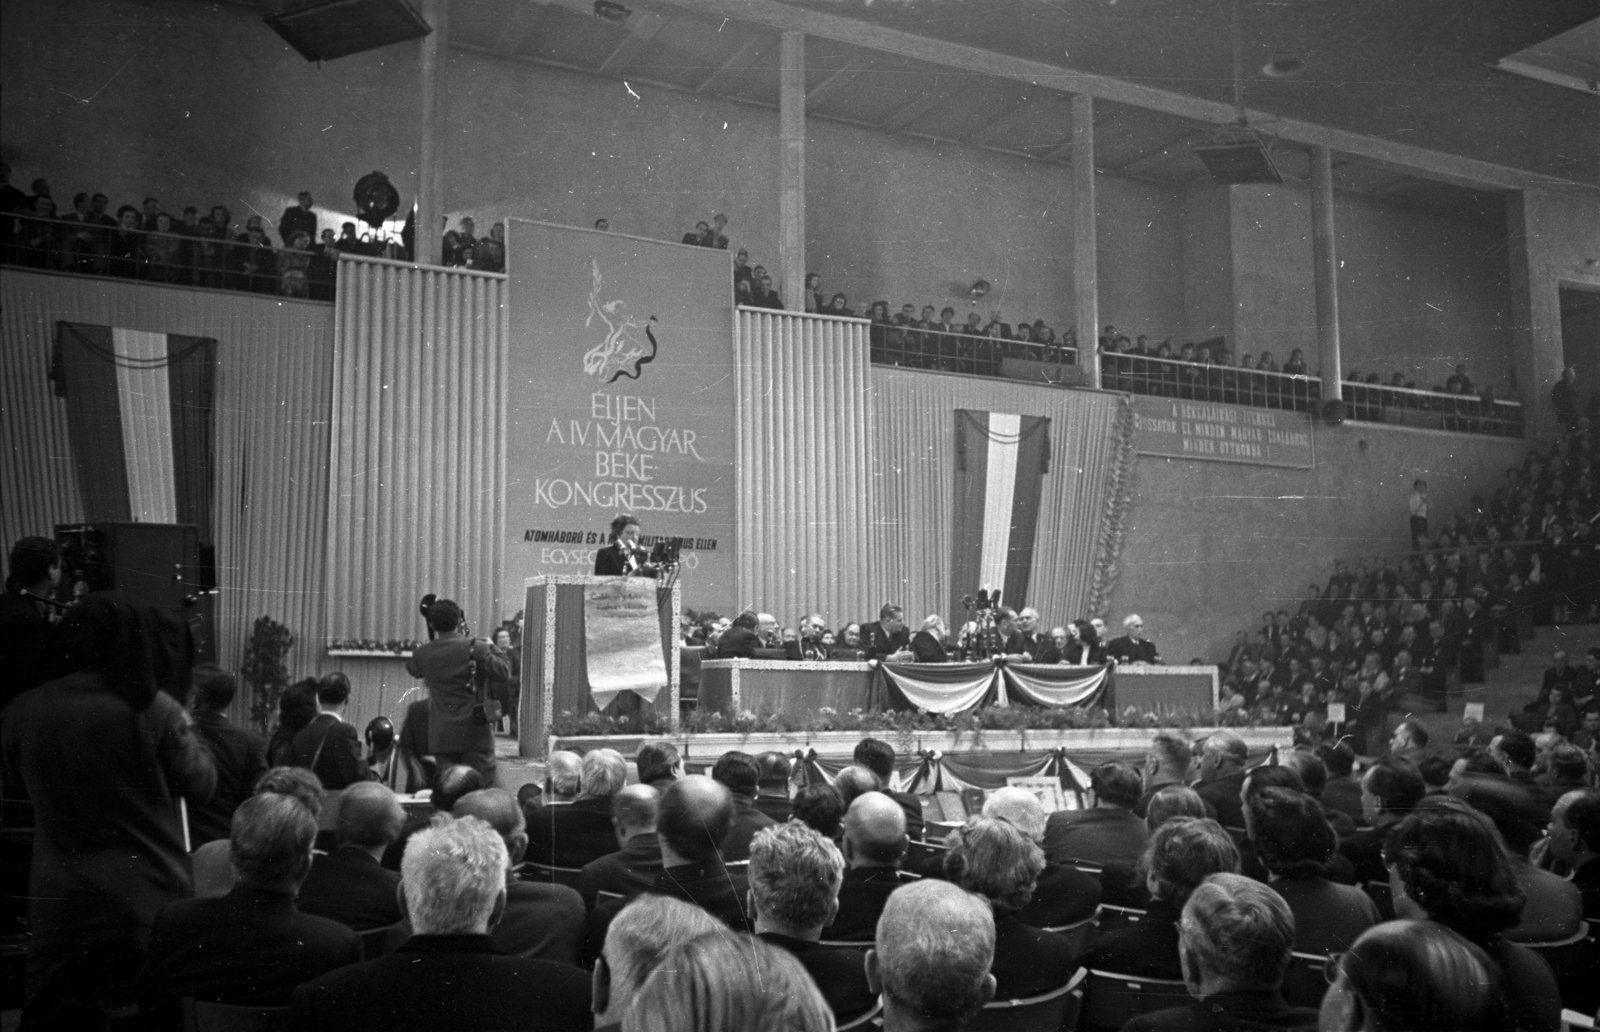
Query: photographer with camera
{"type": "Point", "coordinates": [457, 669]}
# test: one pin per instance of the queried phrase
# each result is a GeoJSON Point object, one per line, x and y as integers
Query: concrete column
{"type": "Point", "coordinates": [1326, 266]}
{"type": "Point", "coordinates": [1085, 254]}
{"type": "Point", "coordinates": [1538, 358]}
{"type": "Point", "coordinates": [792, 170]}
{"type": "Point", "coordinates": [430, 153]}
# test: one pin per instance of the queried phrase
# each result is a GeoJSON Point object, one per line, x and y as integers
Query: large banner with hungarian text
{"type": "Point", "coordinates": [620, 400]}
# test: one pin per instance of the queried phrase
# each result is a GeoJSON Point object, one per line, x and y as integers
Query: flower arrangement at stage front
{"type": "Point", "coordinates": [393, 646]}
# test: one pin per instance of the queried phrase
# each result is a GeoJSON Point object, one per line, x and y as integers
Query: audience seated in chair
{"type": "Point", "coordinates": [453, 887]}
{"type": "Point", "coordinates": [1182, 853]}
{"type": "Point", "coordinates": [931, 959]}
{"type": "Point", "coordinates": [997, 861]}
{"type": "Point", "coordinates": [1553, 907]}
{"type": "Point", "coordinates": [820, 806]}
{"type": "Point", "coordinates": [737, 771]}
{"type": "Point", "coordinates": [1390, 788]}
{"type": "Point", "coordinates": [1295, 844]}
{"type": "Point", "coordinates": [251, 946]}
{"type": "Point", "coordinates": [641, 934]}
{"type": "Point", "coordinates": [1109, 832]}
{"type": "Point", "coordinates": [1447, 866]}
{"type": "Point", "coordinates": [573, 835]}
{"type": "Point", "coordinates": [772, 792]}
{"type": "Point", "coordinates": [450, 783]}
{"type": "Point", "coordinates": [1063, 895]}
{"type": "Point", "coordinates": [635, 867]}
{"type": "Point", "coordinates": [1222, 770]}
{"type": "Point", "coordinates": [720, 982]}
{"type": "Point", "coordinates": [350, 884]}
{"type": "Point", "coordinates": [1575, 841]}
{"type": "Point", "coordinates": [878, 756]}
{"type": "Point", "coordinates": [1235, 939]}
{"type": "Point", "coordinates": [1165, 763]}
{"type": "Point", "coordinates": [659, 764]}
{"type": "Point", "coordinates": [1124, 885]}
{"type": "Point", "coordinates": [212, 863]}
{"type": "Point", "coordinates": [1415, 976]}
{"type": "Point", "coordinates": [874, 846]}
{"type": "Point", "coordinates": [795, 874]}
{"type": "Point", "coordinates": [856, 780]}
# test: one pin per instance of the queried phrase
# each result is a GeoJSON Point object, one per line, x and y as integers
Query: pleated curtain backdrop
{"type": "Point", "coordinates": [913, 482]}
{"type": "Point", "coordinates": [418, 436]}
{"type": "Point", "coordinates": [274, 383]}
{"type": "Point", "coordinates": [802, 454]}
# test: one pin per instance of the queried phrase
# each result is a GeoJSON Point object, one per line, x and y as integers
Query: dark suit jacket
{"type": "Point", "coordinates": [627, 872]}
{"type": "Point", "coordinates": [571, 835]}
{"type": "Point", "coordinates": [541, 920]}
{"type": "Point", "coordinates": [747, 820]}
{"type": "Point", "coordinates": [443, 665]}
{"type": "Point", "coordinates": [1126, 650]}
{"type": "Point", "coordinates": [1328, 917]}
{"type": "Point", "coordinates": [879, 643]}
{"type": "Point", "coordinates": [1364, 850]}
{"type": "Point", "coordinates": [1100, 836]}
{"type": "Point", "coordinates": [249, 948]}
{"type": "Point", "coordinates": [240, 757]}
{"type": "Point", "coordinates": [1040, 646]}
{"type": "Point", "coordinates": [840, 973]}
{"type": "Point", "coordinates": [709, 886]}
{"type": "Point", "coordinates": [1344, 796]}
{"type": "Point", "coordinates": [1227, 1012]}
{"type": "Point", "coordinates": [405, 991]}
{"type": "Point", "coordinates": [738, 643]}
{"type": "Point", "coordinates": [1063, 896]}
{"type": "Point", "coordinates": [1223, 795]}
{"type": "Point", "coordinates": [350, 887]}
{"type": "Point", "coordinates": [1149, 948]}
{"type": "Point", "coordinates": [780, 809]}
{"type": "Point", "coordinates": [1027, 960]}
{"type": "Point", "coordinates": [862, 896]}
{"type": "Point", "coordinates": [611, 562]}
{"type": "Point", "coordinates": [798, 651]}
{"type": "Point", "coordinates": [1587, 879]}
{"type": "Point", "coordinates": [913, 808]}
{"type": "Point", "coordinates": [928, 649]}
{"type": "Point", "coordinates": [24, 634]}
{"type": "Point", "coordinates": [331, 749]}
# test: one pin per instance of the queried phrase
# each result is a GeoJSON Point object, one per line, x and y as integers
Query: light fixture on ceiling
{"type": "Point", "coordinates": [610, 10]}
{"type": "Point", "coordinates": [1237, 154]}
{"type": "Point", "coordinates": [1283, 66]}
{"type": "Point", "coordinates": [979, 290]}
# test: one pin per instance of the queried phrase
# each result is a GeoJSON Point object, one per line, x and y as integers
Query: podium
{"type": "Point", "coordinates": [555, 661]}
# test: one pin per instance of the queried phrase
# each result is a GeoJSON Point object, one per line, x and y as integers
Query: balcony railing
{"type": "Point", "coordinates": [177, 258]}
{"type": "Point", "coordinates": [1404, 406]}
{"type": "Point", "coordinates": [974, 355]}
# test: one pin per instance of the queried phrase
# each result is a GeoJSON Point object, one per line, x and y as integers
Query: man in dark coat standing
{"type": "Point", "coordinates": [448, 665]}
{"type": "Point", "coordinates": [33, 572]}
{"type": "Point", "coordinates": [330, 747]}
{"type": "Point", "coordinates": [240, 755]}
{"type": "Point", "coordinates": [105, 757]}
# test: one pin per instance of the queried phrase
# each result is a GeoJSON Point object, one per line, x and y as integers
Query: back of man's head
{"type": "Point", "coordinates": [1226, 745]}
{"type": "Point", "coordinates": [1396, 784]}
{"type": "Point", "coordinates": [636, 939]}
{"type": "Point", "coordinates": [694, 817]}
{"type": "Point", "coordinates": [877, 756]}
{"type": "Point", "coordinates": [875, 830]}
{"type": "Point", "coordinates": [270, 841]}
{"type": "Point", "coordinates": [565, 770]}
{"type": "Point", "coordinates": [934, 947]}
{"type": "Point", "coordinates": [214, 688]}
{"type": "Point", "coordinates": [1236, 934]}
{"type": "Point", "coordinates": [795, 875]}
{"type": "Point", "coordinates": [657, 761]}
{"type": "Point", "coordinates": [856, 780]}
{"type": "Point", "coordinates": [747, 620]}
{"type": "Point", "coordinates": [31, 559]}
{"type": "Point", "coordinates": [1517, 747]}
{"type": "Point", "coordinates": [453, 876]}
{"type": "Point", "coordinates": [451, 783]}
{"type": "Point", "coordinates": [1340, 759]}
{"type": "Point", "coordinates": [737, 770]}
{"type": "Point", "coordinates": [295, 782]}
{"type": "Point", "coordinates": [604, 773]}
{"type": "Point", "coordinates": [1313, 775]}
{"type": "Point", "coordinates": [497, 808]}
{"type": "Point", "coordinates": [370, 816]}
{"type": "Point", "coordinates": [1172, 753]}
{"type": "Point", "coordinates": [634, 810]}
{"type": "Point", "coordinates": [1117, 783]}
{"type": "Point", "coordinates": [1020, 807]}
{"type": "Point", "coordinates": [443, 616]}
{"type": "Point", "coordinates": [773, 769]}
{"type": "Point", "coordinates": [333, 690]}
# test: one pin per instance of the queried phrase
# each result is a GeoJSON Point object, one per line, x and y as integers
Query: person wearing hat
{"type": "Point", "coordinates": [449, 665]}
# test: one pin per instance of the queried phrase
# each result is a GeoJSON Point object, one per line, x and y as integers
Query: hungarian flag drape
{"type": "Point", "coordinates": [140, 416]}
{"type": "Point", "coordinates": [1001, 459]}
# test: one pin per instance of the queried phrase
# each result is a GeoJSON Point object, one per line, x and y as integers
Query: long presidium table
{"type": "Point", "coordinates": [777, 686]}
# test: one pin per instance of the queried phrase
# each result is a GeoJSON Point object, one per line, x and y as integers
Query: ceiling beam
{"type": "Point", "coordinates": [828, 88]}
{"type": "Point", "coordinates": [742, 60]}
{"type": "Point", "coordinates": [519, 28]}
{"type": "Point", "coordinates": [930, 100]}
{"type": "Point", "coordinates": [998, 127]}
{"type": "Point", "coordinates": [1451, 168]}
{"type": "Point", "coordinates": [642, 28]}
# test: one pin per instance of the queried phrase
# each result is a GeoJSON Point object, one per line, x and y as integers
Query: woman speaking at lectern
{"type": "Point", "coordinates": [624, 557]}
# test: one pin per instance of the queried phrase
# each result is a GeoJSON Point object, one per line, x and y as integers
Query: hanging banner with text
{"type": "Point", "coordinates": [620, 400]}
{"type": "Point", "coordinates": [622, 639]}
{"type": "Point", "coordinates": [1222, 433]}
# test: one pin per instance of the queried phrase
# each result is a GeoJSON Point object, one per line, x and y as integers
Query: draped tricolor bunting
{"type": "Point", "coordinates": [1001, 459]}
{"type": "Point", "coordinates": [953, 688]}
{"type": "Point", "coordinates": [140, 419]}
